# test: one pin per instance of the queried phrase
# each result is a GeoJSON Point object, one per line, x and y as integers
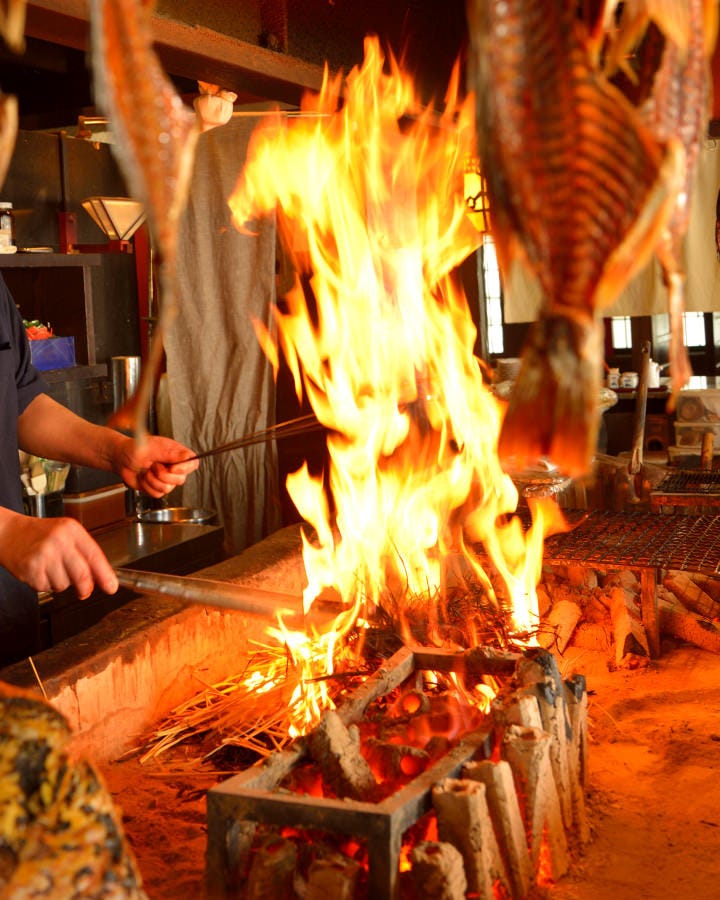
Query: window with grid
{"type": "Point", "coordinates": [493, 296]}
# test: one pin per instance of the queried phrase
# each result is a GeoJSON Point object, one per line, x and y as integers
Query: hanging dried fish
{"type": "Point", "coordinates": [673, 64]}
{"type": "Point", "coordinates": [12, 30]}
{"type": "Point", "coordinates": [580, 192]}
{"type": "Point", "coordinates": [12, 24]}
{"type": "Point", "coordinates": [155, 139]}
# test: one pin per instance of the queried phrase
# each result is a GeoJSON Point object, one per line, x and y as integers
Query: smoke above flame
{"type": "Point", "coordinates": [367, 186]}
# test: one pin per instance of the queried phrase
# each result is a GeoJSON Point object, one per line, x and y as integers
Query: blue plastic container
{"type": "Point", "coordinates": [53, 353]}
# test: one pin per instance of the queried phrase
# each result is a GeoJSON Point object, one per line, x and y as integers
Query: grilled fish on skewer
{"type": "Point", "coordinates": [156, 138]}
{"type": "Point", "coordinates": [579, 191]}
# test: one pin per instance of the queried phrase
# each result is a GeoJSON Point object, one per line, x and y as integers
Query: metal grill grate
{"type": "Point", "coordinates": [689, 482]}
{"type": "Point", "coordinates": [639, 540]}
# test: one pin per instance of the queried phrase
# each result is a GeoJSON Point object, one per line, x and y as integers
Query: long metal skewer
{"type": "Point", "coordinates": [301, 425]}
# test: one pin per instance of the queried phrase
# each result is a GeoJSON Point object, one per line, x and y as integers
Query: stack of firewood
{"type": "Point", "coordinates": [595, 610]}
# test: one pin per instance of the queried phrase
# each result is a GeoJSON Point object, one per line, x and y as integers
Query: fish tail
{"type": "Point", "coordinates": [554, 407]}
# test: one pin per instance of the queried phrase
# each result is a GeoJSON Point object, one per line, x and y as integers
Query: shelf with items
{"type": "Point", "coordinates": [56, 288]}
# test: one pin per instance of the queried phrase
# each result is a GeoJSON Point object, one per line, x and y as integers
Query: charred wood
{"type": "Point", "coordinates": [464, 821]}
{"type": "Point", "coordinates": [336, 749]}
{"type": "Point", "coordinates": [332, 878]}
{"type": "Point", "coordinates": [438, 872]}
{"type": "Point", "coordinates": [505, 813]}
{"type": "Point", "coordinates": [273, 869]}
{"type": "Point", "coordinates": [527, 750]}
{"type": "Point", "coordinates": [539, 671]}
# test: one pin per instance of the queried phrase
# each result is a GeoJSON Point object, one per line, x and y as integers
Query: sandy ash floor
{"type": "Point", "coordinates": [654, 795]}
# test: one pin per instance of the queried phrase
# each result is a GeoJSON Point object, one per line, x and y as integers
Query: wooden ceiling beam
{"type": "Point", "coordinates": [189, 51]}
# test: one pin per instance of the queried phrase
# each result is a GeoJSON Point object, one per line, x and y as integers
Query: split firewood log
{"type": "Point", "coordinates": [593, 636]}
{"type": "Point", "coordinates": [559, 625]}
{"type": "Point", "coordinates": [630, 637]}
{"type": "Point", "coordinates": [709, 584]}
{"type": "Point", "coordinates": [691, 594]}
{"type": "Point", "coordinates": [679, 622]}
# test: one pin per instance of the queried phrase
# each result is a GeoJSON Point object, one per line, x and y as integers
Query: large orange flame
{"type": "Point", "coordinates": [368, 189]}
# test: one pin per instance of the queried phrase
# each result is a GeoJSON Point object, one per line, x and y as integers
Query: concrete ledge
{"type": "Point", "coordinates": [115, 681]}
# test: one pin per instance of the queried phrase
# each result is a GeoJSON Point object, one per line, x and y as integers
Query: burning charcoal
{"type": "Point", "coordinates": [394, 761]}
{"type": "Point", "coordinates": [464, 821]}
{"type": "Point", "coordinates": [438, 872]}
{"type": "Point", "coordinates": [505, 813]}
{"type": "Point", "coordinates": [273, 869]}
{"type": "Point", "coordinates": [333, 878]}
{"type": "Point", "coordinates": [560, 625]}
{"type": "Point", "coordinates": [528, 752]}
{"type": "Point", "coordinates": [337, 753]}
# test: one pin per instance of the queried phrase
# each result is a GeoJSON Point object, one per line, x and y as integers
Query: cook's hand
{"type": "Point", "coordinates": [52, 554]}
{"type": "Point", "coordinates": [154, 465]}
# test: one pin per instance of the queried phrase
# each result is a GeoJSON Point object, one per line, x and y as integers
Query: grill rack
{"type": "Point", "coordinates": [639, 540]}
{"type": "Point", "coordinates": [692, 492]}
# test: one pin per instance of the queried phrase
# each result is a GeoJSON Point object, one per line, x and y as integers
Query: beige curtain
{"type": "Point", "coordinates": [646, 294]}
{"type": "Point", "coordinates": [220, 385]}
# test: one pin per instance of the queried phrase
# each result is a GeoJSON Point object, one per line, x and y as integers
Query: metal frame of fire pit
{"type": "Point", "coordinates": [251, 796]}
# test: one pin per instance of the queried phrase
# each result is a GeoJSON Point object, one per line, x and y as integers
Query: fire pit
{"type": "Point", "coordinates": [542, 771]}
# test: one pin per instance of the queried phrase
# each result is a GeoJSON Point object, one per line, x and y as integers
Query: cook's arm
{"type": "Point", "coordinates": [48, 429]}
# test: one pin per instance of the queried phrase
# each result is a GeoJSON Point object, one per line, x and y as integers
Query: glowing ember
{"type": "Point", "coordinates": [368, 189]}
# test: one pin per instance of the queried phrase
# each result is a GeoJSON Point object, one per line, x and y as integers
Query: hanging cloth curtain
{"type": "Point", "coordinates": [220, 384]}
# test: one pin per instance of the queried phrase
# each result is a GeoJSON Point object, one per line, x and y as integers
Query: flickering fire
{"type": "Point", "coordinates": [367, 185]}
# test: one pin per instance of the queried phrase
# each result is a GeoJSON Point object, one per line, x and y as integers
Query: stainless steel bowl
{"type": "Point", "coordinates": [179, 515]}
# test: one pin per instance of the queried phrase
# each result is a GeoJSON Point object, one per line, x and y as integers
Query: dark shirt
{"type": "Point", "coordinates": [20, 383]}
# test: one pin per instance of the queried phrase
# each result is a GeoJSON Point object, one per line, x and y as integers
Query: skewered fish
{"type": "Point", "coordinates": [155, 147]}
{"type": "Point", "coordinates": [580, 192]}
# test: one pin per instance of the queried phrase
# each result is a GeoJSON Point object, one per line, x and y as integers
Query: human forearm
{"type": "Point", "coordinates": [154, 465]}
{"type": "Point", "coordinates": [48, 429]}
